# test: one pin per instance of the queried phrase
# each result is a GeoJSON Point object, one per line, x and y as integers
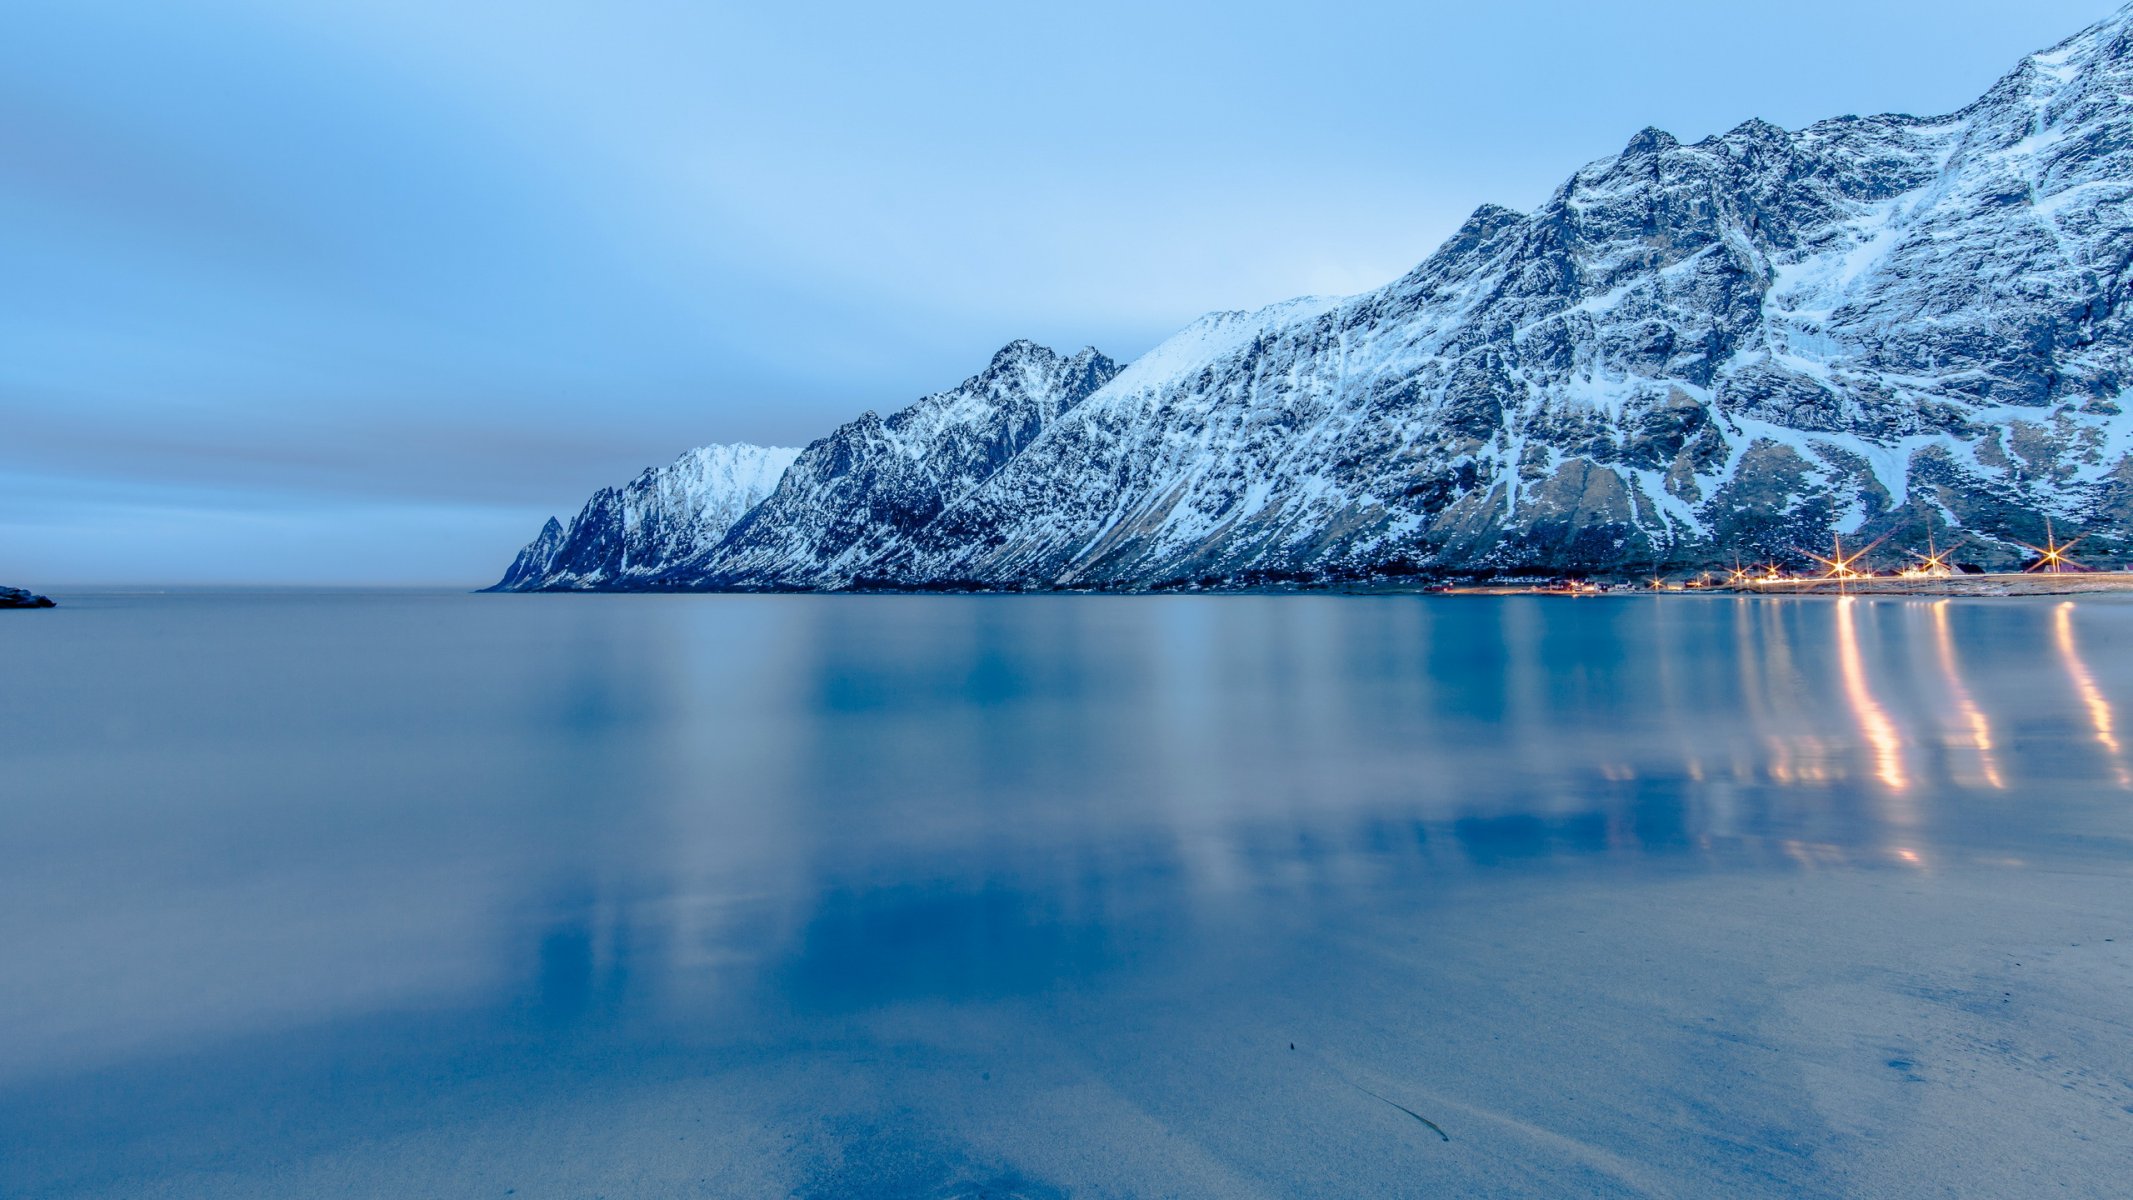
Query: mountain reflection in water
{"type": "Point", "coordinates": [417, 844]}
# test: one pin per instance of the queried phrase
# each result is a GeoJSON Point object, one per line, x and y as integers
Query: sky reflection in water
{"type": "Point", "coordinates": [418, 845]}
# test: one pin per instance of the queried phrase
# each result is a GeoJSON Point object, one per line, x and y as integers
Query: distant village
{"type": "Point", "coordinates": [2053, 570]}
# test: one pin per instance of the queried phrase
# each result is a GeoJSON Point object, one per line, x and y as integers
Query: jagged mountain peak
{"type": "Point", "coordinates": [2110, 37]}
{"type": "Point", "coordinates": [1035, 361]}
{"type": "Point", "coordinates": [851, 494]}
{"type": "Point", "coordinates": [1755, 129]}
{"type": "Point", "coordinates": [1487, 217]}
{"type": "Point", "coordinates": [1749, 342]}
{"type": "Point", "coordinates": [624, 535]}
{"type": "Point", "coordinates": [1647, 141]}
{"type": "Point", "coordinates": [1022, 375]}
{"type": "Point", "coordinates": [1020, 351]}
{"type": "Point", "coordinates": [2101, 52]}
{"type": "Point", "coordinates": [1880, 326]}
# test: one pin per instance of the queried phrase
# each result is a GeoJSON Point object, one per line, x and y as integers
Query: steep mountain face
{"type": "Point", "coordinates": [814, 518]}
{"type": "Point", "coordinates": [873, 483]}
{"type": "Point", "coordinates": [1881, 326]}
{"type": "Point", "coordinates": [1885, 325]}
{"type": "Point", "coordinates": [625, 536]}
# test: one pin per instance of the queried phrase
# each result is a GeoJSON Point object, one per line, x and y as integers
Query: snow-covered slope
{"type": "Point", "coordinates": [1884, 326]}
{"type": "Point", "coordinates": [626, 535]}
{"type": "Point", "coordinates": [862, 490]}
{"type": "Point", "coordinates": [1887, 325]}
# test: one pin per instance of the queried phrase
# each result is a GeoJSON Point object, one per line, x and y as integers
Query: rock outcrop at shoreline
{"type": "Point", "coordinates": [1882, 327]}
{"type": "Point", "coordinates": [14, 597]}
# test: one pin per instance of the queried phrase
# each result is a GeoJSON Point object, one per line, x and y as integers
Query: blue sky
{"type": "Point", "coordinates": [361, 292]}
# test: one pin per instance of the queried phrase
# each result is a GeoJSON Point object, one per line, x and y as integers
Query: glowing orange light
{"type": "Point", "coordinates": [2052, 556]}
{"type": "Point", "coordinates": [1873, 720]}
{"type": "Point", "coordinates": [2100, 716]}
{"type": "Point", "coordinates": [1933, 562]}
{"type": "Point", "coordinates": [1980, 728]}
{"type": "Point", "coordinates": [1841, 565]}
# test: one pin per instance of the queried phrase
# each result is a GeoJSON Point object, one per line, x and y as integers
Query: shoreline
{"type": "Point", "coordinates": [2006, 583]}
{"type": "Point", "coordinates": [2034, 583]}
{"type": "Point", "coordinates": [1992, 584]}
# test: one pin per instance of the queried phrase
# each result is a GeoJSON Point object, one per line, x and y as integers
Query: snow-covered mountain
{"type": "Point", "coordinates": [840, 503]}
{"type": "Point", "coordinates": [625, 536]}
{"type": "Point", "coordinates": [864, 490]}
{"type": "Point", "coordinates": [1876, 326]}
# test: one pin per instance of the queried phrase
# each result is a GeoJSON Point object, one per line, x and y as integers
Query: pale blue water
{"type": "Point", "coordinates": [405, 894]}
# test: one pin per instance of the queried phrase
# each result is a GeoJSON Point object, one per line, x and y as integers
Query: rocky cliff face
{"type": "Point", "coordinates": [863, 491]}
{"type": "Point", "coordinates": [831, 509]}
{"type": "Point", "coordinates": [628, 535]}
{"type": "Point", "coordinates": [1882, 326]}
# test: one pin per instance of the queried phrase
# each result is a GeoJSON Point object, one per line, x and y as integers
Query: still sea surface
{"type": "Point", "coordinates": [399, 894]}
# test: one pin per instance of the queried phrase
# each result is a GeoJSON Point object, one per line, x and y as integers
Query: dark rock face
{"type": "Point", "coordinates": [874, 484]}
{"type": "Point", "coordinates": [13, 597]}
{"type": "Point", "coordinates": [826, 513]}
{"type": "Point", "coordinates": [1880, 327]}
{"type": "Point", "coordinates": [533, 565]}
{"type": "Point", "coordinates": [625, 536]}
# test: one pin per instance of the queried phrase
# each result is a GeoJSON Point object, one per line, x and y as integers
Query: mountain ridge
{"type": "Point", "coordinates": [1885, 326]}
{"type": "Point", "coordinates": [632, 533]}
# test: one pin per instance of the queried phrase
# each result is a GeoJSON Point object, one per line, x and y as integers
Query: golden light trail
{"type": "Point", "coordinates": [1771, 683]}
{"type": "Point", "coordinates": [2100, 715]}
{"type": "Point", "coordinates": [1873, 720]}
{"type": "Point", "coordinates": [1755, 694]}
{"type": "Point", "coordinates": [1980, 728]}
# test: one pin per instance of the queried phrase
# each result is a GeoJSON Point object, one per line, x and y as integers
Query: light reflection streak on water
{"type": "Point", "coordinates": [1874, 723]}
{"type": "Point", "coordinates": [1980, 727]}
{"type": "Point", "coordinates": [2100, 716]}
{"type": "Point", "coordinates": [1770, 687]}
{"type": "Point", "coordinates": [1754, 692]}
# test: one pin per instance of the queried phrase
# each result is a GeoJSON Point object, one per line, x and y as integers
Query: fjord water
{"type": "Point", "coordinates": [409, 894]}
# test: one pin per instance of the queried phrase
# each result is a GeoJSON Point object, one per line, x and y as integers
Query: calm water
{"type": "Point", "coordinates": [397, 894]}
